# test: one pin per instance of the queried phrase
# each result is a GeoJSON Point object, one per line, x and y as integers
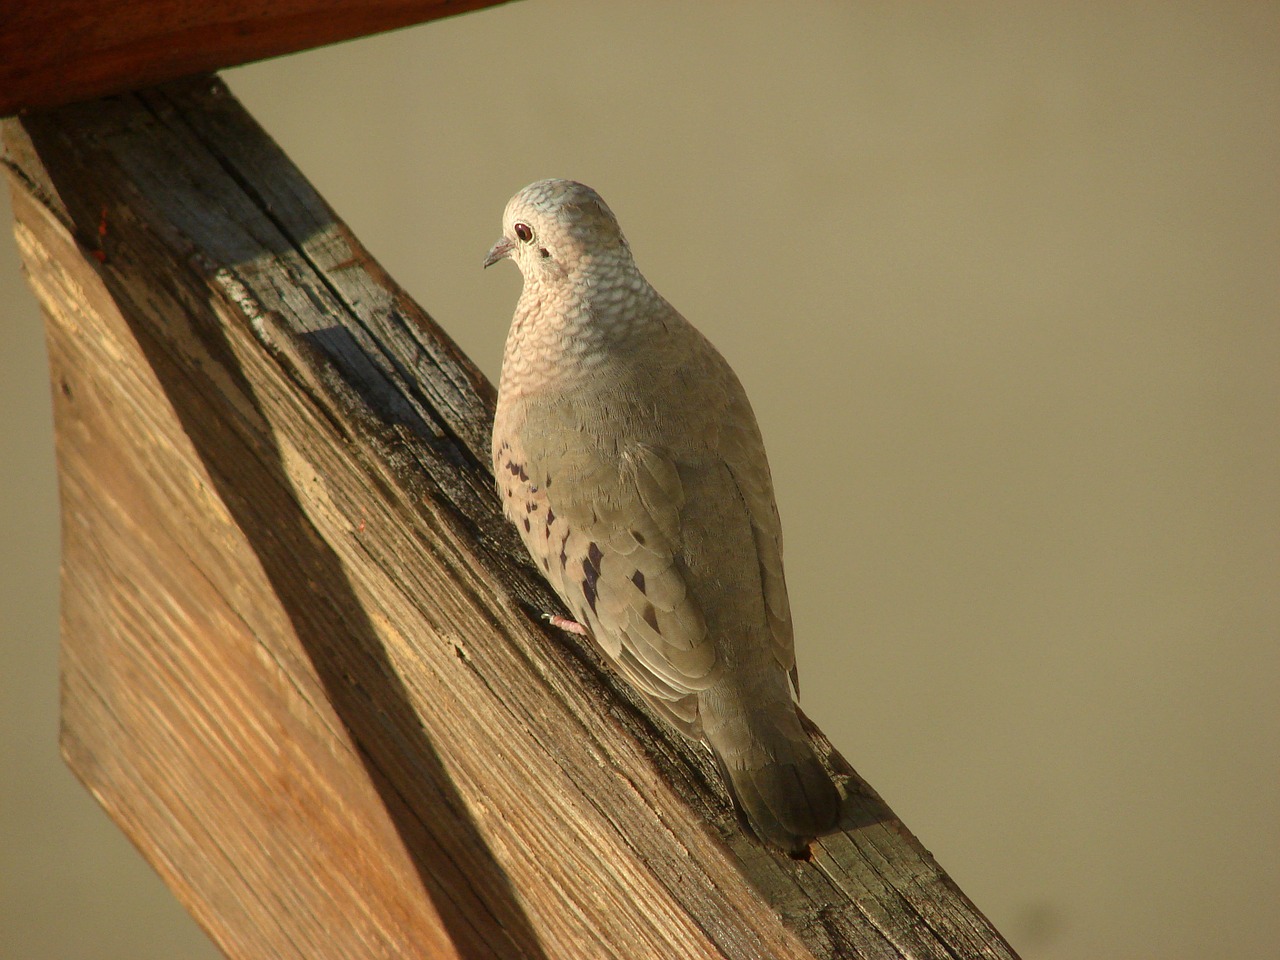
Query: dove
{"type": "Point", "coordinates": [628, 456]}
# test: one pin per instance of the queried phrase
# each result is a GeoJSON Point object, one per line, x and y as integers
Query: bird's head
{"type": "Point", "coordinates": [555, 228]}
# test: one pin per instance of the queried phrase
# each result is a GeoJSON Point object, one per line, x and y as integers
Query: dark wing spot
{"type": "Point", "coordinates": [546, 564]}
{"type": "Point", "coordinates": [638, 537]}
{"type": "Point", "coordinates": [591, 573]}
{"type": "Point", "coordinates": [523, 476]}
{"type": "Point", "coordinates": [551, 517]}
{"type": "Point", "coordinates": [651, 617]}
{"type": "Point", "coordinates": [513, 467]}
{"type": "Point", "coordinates": [638, 579]}
{"type": "Point", "coordinates": [526, 524]}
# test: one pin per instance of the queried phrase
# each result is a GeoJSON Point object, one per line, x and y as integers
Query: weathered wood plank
{"type": "Point", "coordinates": [54, 52]}
{"type": "Point", "coordinates": [300, 667]}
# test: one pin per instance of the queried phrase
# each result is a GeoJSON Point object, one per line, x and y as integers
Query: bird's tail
{"type": "Point", "coordinates": [778, 783]}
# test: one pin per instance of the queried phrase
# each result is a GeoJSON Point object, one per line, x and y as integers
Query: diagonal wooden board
{"type": "Point", "coordinates": [302, 664]}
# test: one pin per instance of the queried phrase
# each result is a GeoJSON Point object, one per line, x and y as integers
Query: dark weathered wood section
{"type": "Point", "coordinates": [59, 51]}
{"type": "Point", "coordinates": [303, 667]}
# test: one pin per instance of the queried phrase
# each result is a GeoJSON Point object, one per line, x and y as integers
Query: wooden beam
{"type": "Point", "coordinates": [59, 51]}
{"type": "Point", "coordinates": [303, 665]}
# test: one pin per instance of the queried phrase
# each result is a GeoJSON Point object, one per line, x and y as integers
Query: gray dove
{"type": "Point", "coordinates": [627, 455]}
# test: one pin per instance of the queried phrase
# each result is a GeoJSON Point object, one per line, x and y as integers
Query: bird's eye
{"type": "Point", "coordinates": [523, 232]}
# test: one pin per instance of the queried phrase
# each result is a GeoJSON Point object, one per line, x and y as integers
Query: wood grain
{"type": "Point", "coordinates": [303, 664]}
{"type": "Point", "coordinates": [54, 52]}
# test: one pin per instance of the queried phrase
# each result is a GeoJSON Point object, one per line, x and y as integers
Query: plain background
{"type": "Point", "coordinates": [1003, 282]}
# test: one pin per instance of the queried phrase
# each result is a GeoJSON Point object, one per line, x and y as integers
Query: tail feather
{"type": "Point", "coordinates": [787, 800]}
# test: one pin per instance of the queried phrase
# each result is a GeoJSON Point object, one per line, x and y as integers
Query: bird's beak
{"type": "Point", "coordinates": [500, 251]}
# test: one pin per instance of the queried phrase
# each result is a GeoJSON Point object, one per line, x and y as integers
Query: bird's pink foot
{"type": "Point", "coordinates": [567, 625]}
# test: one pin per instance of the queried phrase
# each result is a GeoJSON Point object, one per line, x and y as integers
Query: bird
{"type": "Point", "coordinates": [628, 457]}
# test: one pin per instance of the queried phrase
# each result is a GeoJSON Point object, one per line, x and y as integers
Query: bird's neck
{"type": "Point", "coordinates": [564, 326]}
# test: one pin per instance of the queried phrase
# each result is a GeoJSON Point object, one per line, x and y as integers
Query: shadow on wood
{"type": "Point", "coordinates": [300, 666]}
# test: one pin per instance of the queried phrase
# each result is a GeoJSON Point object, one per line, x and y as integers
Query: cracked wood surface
{"type": "Point", "coordinates": [303, 666]}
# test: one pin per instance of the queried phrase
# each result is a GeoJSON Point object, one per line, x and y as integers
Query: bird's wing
{"type": "Point", "coordinates": [605, 530]}
{"type": "Point", "coordinates": [742, 449]}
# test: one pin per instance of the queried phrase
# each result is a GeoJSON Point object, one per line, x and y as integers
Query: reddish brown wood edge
{"type": "Point", "coordinates": [54, 52]}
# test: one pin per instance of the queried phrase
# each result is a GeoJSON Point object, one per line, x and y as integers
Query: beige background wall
{"type": "Point", "coordinates": [1002, 280]}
